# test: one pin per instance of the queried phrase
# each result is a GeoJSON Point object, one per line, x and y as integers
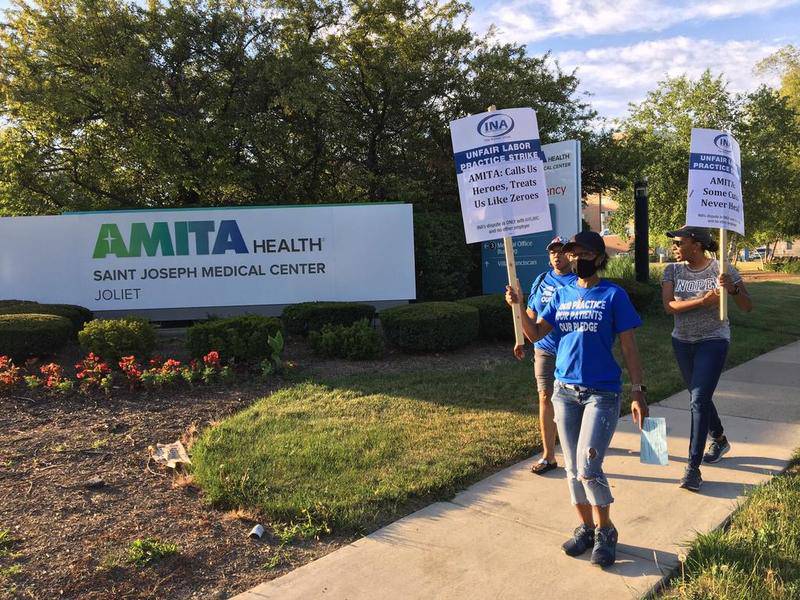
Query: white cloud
{"type": "Point", "coordinates": [526, 21]}
{"type": "Point", "coordinates": [622, 74]}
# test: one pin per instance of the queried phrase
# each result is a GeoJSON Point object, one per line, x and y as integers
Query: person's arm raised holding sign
{"type": "Point", "coordinates": [587, 316]}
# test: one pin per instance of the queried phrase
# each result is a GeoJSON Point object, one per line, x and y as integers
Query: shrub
{"type": "Point", "coordinates": [77, 315]}
{"type": "Point", "coordinates": [442, 257]}
{"type": "Point", "coordinates": [358, 341]}
{"type": "Point", "coordinates": [244, 339]}
{"type": "Point", "coordinates": [495, 316]}
{"type": "Point", "coordinates": [23, 335]}
{"type": "Point", "coordinates": [112, 339]}
{"type": "Point", "coordinates": [149, 550]}
{"type": "Point", "coordinates": [431, 326]}
{"type": "Point", "coordinates": [306, 317]}
{"type": "Point", "coordinates": [641, 294]}
{"type": "Point", "coordinates": [620, 267]}
{"type": "Point", "coordinates": [791, 266]}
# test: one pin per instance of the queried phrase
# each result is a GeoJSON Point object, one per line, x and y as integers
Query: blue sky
{"type": "Point", "coordinates": [622, 49]}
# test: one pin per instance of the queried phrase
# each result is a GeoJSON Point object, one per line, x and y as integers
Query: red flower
{"type": "Point", "coordinates": [211, 359]}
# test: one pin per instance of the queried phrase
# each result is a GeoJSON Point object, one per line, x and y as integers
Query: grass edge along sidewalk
{"type": "Point", "coordinates": [756, 554]}
{"type": "Point", "coordinates": [354, 453]}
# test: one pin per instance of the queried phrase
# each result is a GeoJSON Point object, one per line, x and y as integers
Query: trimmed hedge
{"type": "Point", "coordinates": [358, 341]}
{"type": "Point", "coordinates": [496, 318]}
{"type": "Point", "coordinates": [111, 339]}
{"type": "Point", "coordinates": [306, 317]}
{"type": "Point", "coordinates": [431, 326]}
{"type": "Point", "coordinates": [444, 261]}
{"type": "Point", "coordinates": [23, 335]}
{"type": "Point", "coordinates": [641, 294]}
{"type": "Point", "coordinates": [243, 339]}
{"type": "Point", "coordinates": [78, 315]}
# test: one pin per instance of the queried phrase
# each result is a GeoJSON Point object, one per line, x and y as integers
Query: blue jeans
{"type": "Point", "coordinates": [701, 365]}
{"type": "Point", "coordinates": [586, 420]}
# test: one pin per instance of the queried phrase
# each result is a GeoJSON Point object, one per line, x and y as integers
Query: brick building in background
{"type": "Point", "coordinates": [597, 212]}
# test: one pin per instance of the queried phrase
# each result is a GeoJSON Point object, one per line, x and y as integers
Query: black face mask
{"type": "Point", "coordinates": [584, 268]}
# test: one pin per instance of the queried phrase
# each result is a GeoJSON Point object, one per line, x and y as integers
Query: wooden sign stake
{"type": "Point", "coordinates": [511, 269]}
{"type": "Point", "coordinates": [723, 268]}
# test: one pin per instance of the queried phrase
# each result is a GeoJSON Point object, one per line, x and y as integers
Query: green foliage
{"type": "Point", "coordinates": [111, 339]}
{"type": "Point", "coordinates": [306, 317]}
{"type": "Point", "coordinates": [641, 294]}
{"type": "Point", "coordinates": [78, 315]}
{"type": "Point", "coordinates": [147, 551]}
{"type": "Point", "coordinates": [273, 363]}
{"type": "Point", "coordinates": [441, 255]}
{"type": "Point", "coordinates": [115, 104]}
{"type": "Point", "coordinates": [655, 143]}
{"type": "Point", "coordinates": [24, 335]}
{"type": "Point", "coordinates": [792, 267]}
{"type": "Point", "coordinates": [6, 543]}
{"type": "Point", "coordinates": [242, 339]}
{"type": "Point", "coordinates": [307, 528]}
{"type": "Point", "coordinates": [783, 266]}
{"type": "Point", "coordinates": [364, 449]}
{"type": "Point", "coordinates": [431, 326]}
{"type": "Point", "coordinates": [495, 316]}
{"type": "Point", "coordinates": [786, 63]}
{"type": "Point", "coordinates": [620, 267]}
{"type": "Point", "coordinates": [757, 556]}
{"type": "Point", "coordinates": [359, 341]}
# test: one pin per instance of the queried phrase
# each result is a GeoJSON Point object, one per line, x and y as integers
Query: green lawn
{"type": "Point", "coordinates": [756, 557]}
{"type": "Point", "coordinates": [355, 451]}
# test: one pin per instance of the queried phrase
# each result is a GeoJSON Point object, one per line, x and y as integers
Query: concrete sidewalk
{"type": "Point", "coordinates": [501, 537]}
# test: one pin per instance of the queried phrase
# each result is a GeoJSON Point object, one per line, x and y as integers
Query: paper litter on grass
{"type": "Point", "coordinates": [171, 455]}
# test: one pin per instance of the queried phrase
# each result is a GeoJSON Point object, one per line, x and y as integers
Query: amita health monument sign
{"type": "Point", "coordinates": [163, 259]}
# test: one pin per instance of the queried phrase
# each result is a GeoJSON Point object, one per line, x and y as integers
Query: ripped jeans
{"type": "Point", "coordinates": [586, 421]}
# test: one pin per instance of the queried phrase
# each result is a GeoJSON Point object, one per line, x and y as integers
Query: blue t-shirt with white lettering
{"type": "Point", "coordinates": [586, 323]}
{"type": "Point", "coordinates": [541, 292]}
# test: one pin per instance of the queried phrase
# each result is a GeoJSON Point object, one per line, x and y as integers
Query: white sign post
{"type": "Point", "coordinates": [501, 181]}
{"type": "Point", "coordinates": [715, 191]}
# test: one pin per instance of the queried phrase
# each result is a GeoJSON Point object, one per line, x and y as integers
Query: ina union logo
{"type": "Point", "coordinates": [495, 125]}
{"type": "Point", "coordinates": [723, 142]}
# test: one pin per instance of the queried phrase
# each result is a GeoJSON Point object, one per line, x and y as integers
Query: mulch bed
{"type": "Point", "coordinates": [71, 532]}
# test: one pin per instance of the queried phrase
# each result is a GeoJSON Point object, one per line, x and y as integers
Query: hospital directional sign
{"type": "Point", "coordinates": [530, 254]}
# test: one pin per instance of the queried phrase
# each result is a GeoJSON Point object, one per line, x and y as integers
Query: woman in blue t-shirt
{"type": "Point", "coordinates": [586, 316]}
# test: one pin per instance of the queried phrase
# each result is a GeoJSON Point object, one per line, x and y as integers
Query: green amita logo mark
{"type": "Point", "coordinates": [170, 242]}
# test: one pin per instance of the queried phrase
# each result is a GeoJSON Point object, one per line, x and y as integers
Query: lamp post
{"type": "Point", "coordinates": [641, 228]}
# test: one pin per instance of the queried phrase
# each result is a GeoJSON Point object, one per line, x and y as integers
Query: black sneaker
{"type": "Point", "coordinates": [716, 450]}
{"type": "Point", "coordinates": [605, 546]}
{"type": "Point", "coordinates": [582, 539]}
{"type": "Point", "coordinates": [691, 479]}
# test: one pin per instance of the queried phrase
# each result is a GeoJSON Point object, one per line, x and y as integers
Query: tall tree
{"type": "Point", "coordinates": [786, 63]}
{"type": "Point", "coordinates": [655, 138]}
{"type": "Point", "coordinates": [769, 135]}
{"type": "Point", "coordinates": [109, 104]}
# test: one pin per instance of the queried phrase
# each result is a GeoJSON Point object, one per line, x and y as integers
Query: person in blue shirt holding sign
{"type": "Point", "coordinates": [544, 351]}
{"type": "Point", "coordinates": [586, 317]}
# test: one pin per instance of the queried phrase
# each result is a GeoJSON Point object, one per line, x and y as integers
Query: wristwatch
{"type": "Point", "coordinates": [638, 387]}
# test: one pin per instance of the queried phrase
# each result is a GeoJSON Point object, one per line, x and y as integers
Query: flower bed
{"type": "Point", "coordinates": [93, 374]}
